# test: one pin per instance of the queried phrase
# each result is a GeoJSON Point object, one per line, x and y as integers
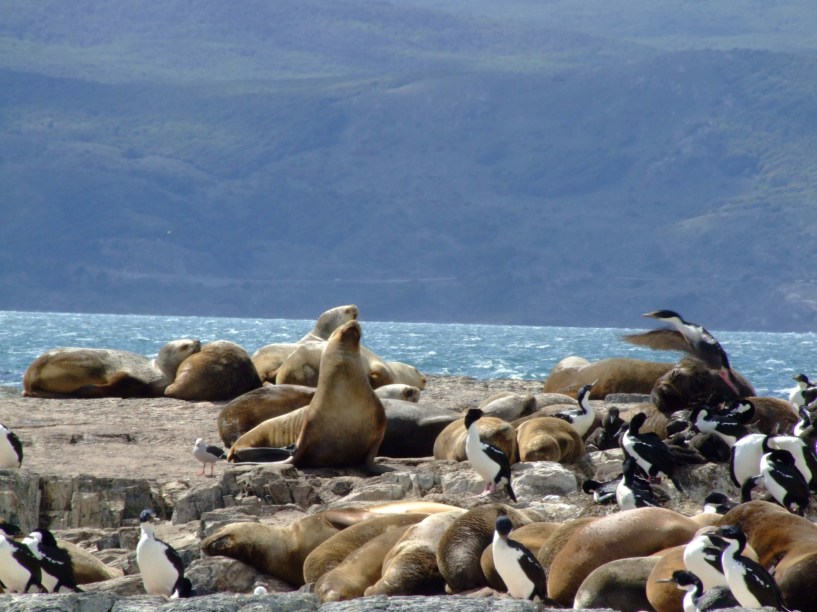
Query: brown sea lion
{"type": "Point", "coordinates": [554, 544]}
{"type": "Point", "coordinates": [360, 569]}
{"type": "Point", "coordinates": [450, 444]}
{"type": "Point", "coordinates": [248, 410]}
{"type": "Point", "coordinates": [618, 584]}
{"type": "Point", "coordinates": [87, 568]}
{"type": "Point", "coordinates": [690, 382]}
{"type": "Point", "coordinates": [403, 373]}
{"type": "Point", "coordinates": [410, 567]}
{"type": "Point", "coordinates": [666, 596]}
{"type": "Point", "coordinates": [221, 370]}
{"type": "Point", "coordinates": [548, 439]}
{"type": "Point", "coordinates": [411, 429]}
{"type": "Point", "coordinates": [302, 365]}
{"type": "Point", "coordinates": [629, 533]}
{"type": "Point", "coordinates": [460, 549]}
{"type": "Point", "coordinates": [331, 553]}
{"type": "Point", "coordinates": [88, 373]}
{"type": "Point", "coordinates": [398, 391]}
{"type": "Point", "coordinates": [773, 415]}
{"type": "Point", "coordinates": [507, 405]}
{"type": "Point", "coordinates": [784, 541]}
{"type": "Point", "coordinates": [269, 358]}
{"type": "Point", "coordinates": [614, 375]}
{"type": "Point", "coordinates": [344, 423]}
{"type": "Point", "coordinates": [532, 536]}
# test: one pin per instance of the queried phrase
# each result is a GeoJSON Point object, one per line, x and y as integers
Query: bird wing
{"type": "Point", "coordinates": [497, 455]}
{"type": "Point", "coordinates": [16, 444]}
{"type": "Point", "coordinates": [660, 340]}
{"type": "Point", "coordinates": [216, 451]}
{"type": "Point", "coordinates": [173, 557]}
{"type": "Point", "coordinates": [567, 415]}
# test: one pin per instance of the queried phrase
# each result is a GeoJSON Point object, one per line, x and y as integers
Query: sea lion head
{"type": "Point", "coordinates": [333, 318]}
{"type": "Point", "coordinates": [172, 354]}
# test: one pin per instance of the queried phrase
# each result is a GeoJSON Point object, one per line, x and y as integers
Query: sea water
{"type": "Point", "coordinates": [768, 360]}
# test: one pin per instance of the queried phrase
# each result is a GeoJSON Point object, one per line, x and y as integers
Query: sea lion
{"type": "Point", "coordinates": [403, 373]}
{"type": "Point", "coordinates": [450, 444]}
{"type": "Point", "coordinates": [411, 429]}
{"type": "Point", "coordinates": [507, 405]}
{"type": "Point", "coordinates": [460, 549]}
{"type": "Point", "coordinates": [629, 533]}
{"type": "Point", "coordinates": [548, 439]}
{"type": "Point", "coordinates": [221, 370]}
{"type": "Point", "coordinates": [773, 416]}
{"type": "Point", "coordinates": [532, 536]}
{"type": "Point", "coordinates": [410, 567]}
{"type": "Point", "coordinates": [554, 544]}
{"type": "Point", "coordinates": [359, 570]}
{"type": "Point", "coordinates": [331, 553]}
{"type": "Point", "coordinates": [783, 540]}
{"type": "Point", "coordinates": [691, 382]}
{"type": "Point", "coordinates": [618, 585]}
{"type": "Point", "coordinates": [614, 375]}
{"type": "Point", "coordinates": [269, 358]}
{"type": "Point", "coordinates": [248, 410]}
{"type": "Point", "coordinates": [665, 596]}
{"type": "Point", "coordinates": [344, 423]}
{"type": "Point", "coordinates": [302, 365]}
{"type": "Point", "coordinates": [87, 568]}
{"type": "Point", "coordinates": [88, 373]}
{"type": "Point", "coordinates": [398, 391]}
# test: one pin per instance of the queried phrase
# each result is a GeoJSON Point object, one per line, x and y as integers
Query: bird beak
{"type": "Point", "coordinates": [724, 374]}
{"type": "Point", "coordinates": [665, 580]}
{"type": "Point", "coordinates": [651, 315]}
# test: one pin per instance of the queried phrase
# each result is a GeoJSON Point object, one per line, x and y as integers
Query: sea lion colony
{"type": "Point", "coordinates": [700, 411]}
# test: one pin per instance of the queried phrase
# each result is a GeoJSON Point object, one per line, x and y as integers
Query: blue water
{"type": "Point", "coordinates": [768, 360]}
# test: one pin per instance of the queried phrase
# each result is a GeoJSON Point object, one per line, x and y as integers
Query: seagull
{"type": "Point", "coordinates": [207, 453]}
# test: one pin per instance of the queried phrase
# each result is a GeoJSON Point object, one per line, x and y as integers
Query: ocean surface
{"type": "Point", "coordinates": [768, 360]}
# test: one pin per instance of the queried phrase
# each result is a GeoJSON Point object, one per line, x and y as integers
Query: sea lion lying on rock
{"type": "Point", "coordinates": [615, 375]}
{"type": "Point", "coordinates": [221, 370]}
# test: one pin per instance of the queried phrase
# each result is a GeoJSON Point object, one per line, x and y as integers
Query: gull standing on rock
{"type": "Point", "coordinates": [207, 453]}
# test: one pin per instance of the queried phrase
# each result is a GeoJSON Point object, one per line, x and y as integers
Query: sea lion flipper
{"type": "Point", "coordinates": [260, 455]}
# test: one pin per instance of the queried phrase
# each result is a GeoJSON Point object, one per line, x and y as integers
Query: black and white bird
{"type": "Point", "coordinates": [583, 417]}
{"type": "Point", "coordinates": [729, 426]}
{"type": "Point", "coordinates": [796, 396]}
{"type": "Point", "coordinates": [629, 495]}
{"type": "Point", "coordinates": [744, 459]}
{"type": "Point", "coordinates": [804, 423]}
{"type": "Point", "coordinates": [805, 458]}
{"type": "Point", "coordinates": [160, 565]}
{"type": "Point", "coordinates": [698, 600]}
{"type": "Point", "coordinates": [691, 338]}
{"type": "Point", "coordinates": [648, 450]}
{"type": "Point", "coordinates": [782, 480]}
{"type": "Point", "coordinates": [490, 462]}
{"type": "Point", "coordinates": [718, 503]}
{"type": "Point", "coordinates": [612, 428]}
{"type": "Point", "coordinates": [9, 529]}
{"type": "Point", "coordinates": [749, 581]}
{"type": "Point", "coordinates": [516, 565]}
{"type": "Point", "coordinates": [207, 453]}
{"type": "Point", "coordinates": [702, 557]}
{"type": "Point", "coordinates": [55, 563]}
{"type": "Point", "coordinates": [19, 568]}
{"type": "Point", "coordinates": [11, 449]}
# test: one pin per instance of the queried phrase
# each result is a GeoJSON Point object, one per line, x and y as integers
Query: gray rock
{"type": "Point", "coordinates": [533, 480]}
{"type": "Point", "coordinates": [120, 587]}
{"type": "Point", "coordinates": [20, 498]}
{"type": "Point", "coordinates": [627, 398]}
{"type": "Point", "coordinates": [222, 574]}
{"type": "Point", "coordinates": [215, 520]}
{"type": "Point", "coordinates": [200, 499]}
{"type": "Point", "coordinates": [445, 603]}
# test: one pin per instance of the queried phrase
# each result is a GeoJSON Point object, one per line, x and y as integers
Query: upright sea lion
{"type": "Point", "coordinates": [248, 410]}
{"type": "Point", "coordinates": [221, 370]}
{"type": "Point", "coordinates": [629, 533]}
{"type": "Point", "coordinates": [269, 358]}
{"type": "Point", "coordinates": [615, 375]}
{"type": "Point", "coordinates": [410, 567]}
{"type": "Point", "coordinates": [344, 423]}
{"type": "Point", "coordinates": [450, 444]}
{"type": "Point", "coordinates": [548, 439]}
{"type": "Point", "coordinates": [86, 373]}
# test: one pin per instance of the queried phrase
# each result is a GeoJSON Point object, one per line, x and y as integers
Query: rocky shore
{"type": "Point", "coordinates": [91, 466]}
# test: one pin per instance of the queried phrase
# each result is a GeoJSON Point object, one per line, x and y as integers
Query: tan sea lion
{"type": "Point", "coordinates": [269, 358]}
{"type": "Point", "coordinates": [87, 568]}
{"type": "Point", "coordinates": [773, 415]}
{"type": "Point", "coordinates": [398, 391]}
{"type": "Point", "coordinates": [785, 541]}
{"type": "Point", "coordinates": [628, 533]}
{"type": "Point", "coordinates": [548, 439]}
{"type": "Point", "coordinates": [344, 423]}
{"type": "Point", "coordinates": [618, 584]}
{"type": "Point", "coordinates": [554, 544]}
{"type": "Point", "coordinates": [666, 596]}
{"type": "Point", "coordinates": [460, 549]}
{"type": "Point", "coordinates": [450, 444]}
{"type": "Point", "coordinates": [614, 375]}
{"type": "Point", "coordinates": [403, 373]}
{"type": "Point", "coordinates": [221, 370]}
{"type": "Point", "coordinates": [84, 372]}
{"type": "Point", "coordinates": [507, 405]}
{"type": "Point", "coordinates": [248, 410]}
{"type": "Point", "coordinates": [410, 567]}
{"type": "Point", "coordinates": [331, 553]}
{"type": "Point", "coordinates": [302, 365]}
{"type": "Point", "coordinates": [532, 536]}
{"type": "Point", "coordinates": [691, 382]}
{"type": "Point", "coordinates": [359, 570]}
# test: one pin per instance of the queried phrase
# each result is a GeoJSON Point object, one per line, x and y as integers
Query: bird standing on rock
{"type": "Point", "coordinates": [160, 565]}
{"type": "Point", "coordinates": [207, 453]}
{"type": "Point", "coordinates": [582, 418]}
{"type": "Point", "coordinates": [55, 563]}
{"type": "Point", "coordinates": [517, 566]}
{"type": "Point", "coordinates": [11, 449]}
{"type": "Point", "coordinates": [19, 568]}
{"type": "Point", "coordinates": [488, 461]}
{"type": "Point", "coordinates": [648, 450]}
{"type": "Point", "coordinates": [696, 600]}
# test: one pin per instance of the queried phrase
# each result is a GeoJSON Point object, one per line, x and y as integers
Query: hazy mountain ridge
{"type": "Point", "coordinates": [463, 177]}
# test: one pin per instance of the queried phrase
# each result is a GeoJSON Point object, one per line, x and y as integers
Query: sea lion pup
{"type": "Point", "coordinates": [629, 533]}
{"type": "Point", "coordinates": [86, 373]}
{"type": "Point", "coordinates": [269, 358]}
{"type": "Point", "coordinates": [359, 570]}
{"type": "Point", "coordinates": [618, 585]}
{"type": "Point", "coordinates": [331, 553]}
{"type": "Point", "coordinates": [785, 541]}
{"type": "Point", "coordinates": [450, 444]}
{"type": "Point", "coordinates": [532, 536]}
{"type": "Point", "coordinates": [344, 423]}
{"type": "Point", "coordinates": [460, 549]}
{"type": "Point", "coordinates": [507, 405]}
{"type": "Point", "coordinates": [614, 375]}
{"type": "Point", "coordinates": [548, 439]}
{"type": "Point", "coordinates": [248, 410]}
{"type": "Point", "coordinates": [397, 391]}
{"type": "Point", "coordinates": [410, 567]}
{"type": "Point", "coordinates": [403, 373]}
{"type": "Point", "coordinates": [221, 370]}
